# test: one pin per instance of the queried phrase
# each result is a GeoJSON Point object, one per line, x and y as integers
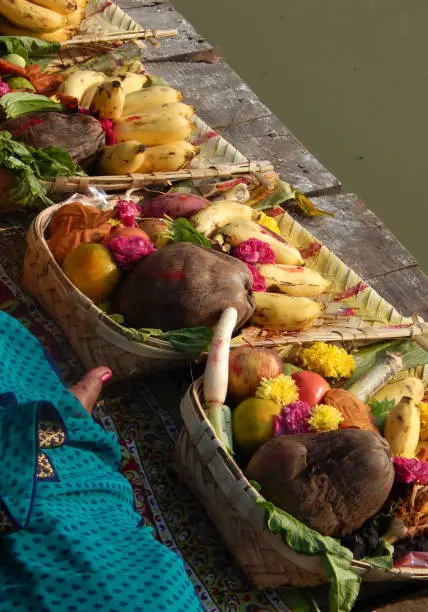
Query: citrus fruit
{"type": "Point", "coordinates": [253, 421]}
{"type": "Point", "coordinates": [91, 268]}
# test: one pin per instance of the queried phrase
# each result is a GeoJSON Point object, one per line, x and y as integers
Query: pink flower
{"type": "Point", "coordinates": [127, 251]}
{"type": "Point", "coordinates": [4, 88]}
{"type": "Point", "coordinates": [292, 419]}
{"type": "Point", "coordinates": [254, 251]}
{"type": "Point", "coordinates": [107, 126]}
{"type": "Point", "coordinates": [259, 283]}
{"type": "Point", "coordinates": [411, 470]}
{"type": "Point", "coordinates": [127, 212]}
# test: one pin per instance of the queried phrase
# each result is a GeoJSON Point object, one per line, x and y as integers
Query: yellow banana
{"type": "Point", "coordinates": [216, 215]}
{"type": "Point", "coordinates": [11, 30]}
{"type": "Point", "coordinates": [78, 82]}
{"type": "Point", "coordinates": [74, 20]}
{"type": "Point", "coordinates": [175, 108]}
{"type": "Point", "coordinates": [402, 427]}
{"type": "Point", "coordinates": [139, 101]}
{"type": "Point", "coordinates": [236, 232]}
{"type": "Point", "coordinates": [293, 280]}
{"type": "Point", "coordinates": [153, 131]}
{"type": "Point", "coordinates": [282, 312]}
{"type": "Point", "coordinates": [168, 158]}
{"type": "Point", "coordinates": [122, 158]}
{"type": "Point", "coordinates": [30, 16]}
{"type": "Point", "coordinates": [132, 82]}
{"type": "Point", "coordinates": [108, 101]}
{"type": "Point", "coordinates": [238, 193]}
{"type": "Point", "coordinates": [64, 7]}
{"type": "Point", "coordinates": [407, 387]}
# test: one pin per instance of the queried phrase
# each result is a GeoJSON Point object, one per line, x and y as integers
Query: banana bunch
{"type": "Point", "coordinates": [108, 101]}
{"type": "Point", "coordinates": [402, 428]}
{"type": "Point", "coordinates": [277, 311]}
{"type": "Point", "coordinates": [49, 20]}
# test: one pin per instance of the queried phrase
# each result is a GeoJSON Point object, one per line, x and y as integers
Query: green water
{"type": "Point", "coordinates": [350, 79]}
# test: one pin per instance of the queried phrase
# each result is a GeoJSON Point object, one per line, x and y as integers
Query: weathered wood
{"type": "Point", "coordinates": [269, 138]}
{"type": "Point", "coordinates": [405, 289]}
{"type": "Point", "coordinates": [357, 236]}
{"type": "Point", "coordinates": [187, 46]}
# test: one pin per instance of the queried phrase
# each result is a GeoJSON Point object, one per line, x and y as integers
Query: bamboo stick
{"type": "Point", "coordinates": [117, 36]}
{"type": "Point", "coordinates": [72, 184]}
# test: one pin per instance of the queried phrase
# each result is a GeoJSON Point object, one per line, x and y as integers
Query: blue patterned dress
{"type": "Point", "coordinates": [70, 540]}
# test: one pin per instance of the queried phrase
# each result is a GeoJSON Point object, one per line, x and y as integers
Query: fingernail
{"type": "Point", "coordinates": [106, 377]}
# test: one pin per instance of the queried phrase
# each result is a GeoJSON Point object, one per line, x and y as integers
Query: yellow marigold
{"type": "Point", "coordinates": [269, 222]}
{"type": "Point", "coordinates": [423, 411]}
{"type": "Point", "coordinates": [282, 389]}
{"type": "Point", "coordinates": [325, 418]}
{"type": "Point", "coordinates": [55, 99]}
{"type": "Point", "coordinates": [114, 222]}
{"type": "Point", "coordinates": [328, 360]}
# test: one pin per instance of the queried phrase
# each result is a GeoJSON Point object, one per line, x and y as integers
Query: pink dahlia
{"type": "Point", "coordinates": [259, 283]}
{"type": "Point", "coordinates": [293, 419]}
{"type": "Point", "coordinates": [107, 126]}
{"type": "Point", "coordinates": [128, 250]}
{"type": "Point", "coordinates": [411, 470]}
{"type": "Point", "coordinates": [254, 251]}
{"type": "Point", "coordinates": [127, 212]}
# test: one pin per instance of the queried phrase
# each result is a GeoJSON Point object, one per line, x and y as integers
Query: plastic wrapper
{"type": "Point", "coordinates": [413, 559]}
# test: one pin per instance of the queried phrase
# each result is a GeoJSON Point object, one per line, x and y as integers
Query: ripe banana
{"type": "Point", "coordinates": [108, 101]}
{"type": "Point", "coordinates": [175, 108]}
{"type": "Point", "coordinates": [77, 83]}
{"type": "Point", "coordinates": [64, 7]}
{"type": "Point", "coordinates": [216, 215]}
{"type": "Point", "coordinates": [282, 312]}
{"type": "Point", "coordinates": [238, 193]}
{"type": "Point", "coordinates": [236, 232]}
{"type": "Point", "coordinates": [402, 428]}
{"type": "Point", "coordinates": [293, 280]}
{"type": "Point", "coordinates": [27, 15]}
{"type": "Point", "coordinates": [407, 387]}
{"type": "Point", "coordinates": [122, 158]}
{"type": "Point", "coordinates": [74, 20]}
{"type": "Point", "coordinates": [153, 131]}
{"type": "Point", "coordinates": [132, 82]}
{"type": "Point", "coordinates": [168, 158]}
{"type": "Point", "coordinates": [7, 28]}
{"type": "Point", "coordinates": [139, 101]}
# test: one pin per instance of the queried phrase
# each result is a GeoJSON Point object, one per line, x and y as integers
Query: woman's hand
{"type": "Point", "coordinates": [89, 387]}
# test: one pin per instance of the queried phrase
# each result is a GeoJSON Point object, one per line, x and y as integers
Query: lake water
{"type": "Point", "coordinates": [350, 80]}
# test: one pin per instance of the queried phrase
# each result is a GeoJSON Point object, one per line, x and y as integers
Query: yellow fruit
{"type": "Point", "coordinates": [30, 16]}
{"type": "Point", "coordinates": [108, 101]}
{"type": "Point", "coordinates": [402, 428]}
{"type": "Point", "coordinates": [407, 387]}
{"type": "Point", "coordinates": [91, 268]}
{"type": "Point", "coordinates": [122, 158]}
{"type": "Point", "coordinates": [74, 20]}
{"type": "Point", "coordinates": [175, 108]}
{"type": "Point", "coordinates": [132, 82]}
{"type": "Point", "coordinates": [153, 131]}
{"type": "Point", "coordinates": [283, 312]}
{"type": "Point", "coordinates": [168, 158]}
{"type": "Point", "coordinates": [139, 101]}
{"type": "Point", "coordinates": [293, 280]}
{"type": "Point", "coordinates": [11, 30]}
{"type": "Point", "coordinates": [253, 421]}
{"type": "Point", "coordinates": [64, 7]}
{"type": "Point", "coordinates": [80, 81]}
{"type": "Point", "coordinates": [209, 219]}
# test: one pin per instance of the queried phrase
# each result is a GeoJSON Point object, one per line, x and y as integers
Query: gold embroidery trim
{"type": "Point", "coordinates": [50, 434]}
{"type": "Point", "coordinates": [44, 467]}
{"type": "Point", "coordinates": [6, 524]}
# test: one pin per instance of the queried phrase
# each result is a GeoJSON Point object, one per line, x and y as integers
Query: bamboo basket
{"type": "Point", "coordinates": [230, 501]}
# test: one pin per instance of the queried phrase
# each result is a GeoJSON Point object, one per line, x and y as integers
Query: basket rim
{"type": "Point", "coordinates": [359, 567]}
{"type": "Point", "coordinates": [38, 227]}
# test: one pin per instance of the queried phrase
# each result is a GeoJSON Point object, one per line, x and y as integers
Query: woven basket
{"type": "Point", "coordinates": [230, 501]}
{"type": "Point", "coordinates": [95, 338]}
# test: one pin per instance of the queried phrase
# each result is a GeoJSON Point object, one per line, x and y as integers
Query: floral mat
{"type": "Point", "coordinates": [144, 414]}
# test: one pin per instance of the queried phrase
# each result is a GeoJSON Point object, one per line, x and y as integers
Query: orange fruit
{"type": "Point", "coordinates": [91, 268]}
{"type": "Point", "coordinates": [252, 422]}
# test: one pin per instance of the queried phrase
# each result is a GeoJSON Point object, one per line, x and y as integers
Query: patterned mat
{"type": "Point", "coordinates": [145, 417]}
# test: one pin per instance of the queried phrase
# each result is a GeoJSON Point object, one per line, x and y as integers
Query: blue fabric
{"type": "Point", "coordinates": [78, 544]}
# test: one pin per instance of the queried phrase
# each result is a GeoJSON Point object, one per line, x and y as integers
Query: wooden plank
{"type": "Point", "coordinates": [187, 46]}
{"type": "Point", "coordinates": [219, 95]}
{"type": "Point", "coordinates": [357, 236]}
{"type": "Point", "coordinates": [267, 138]}
{"type": "Point", "coordinates": [405, 289]}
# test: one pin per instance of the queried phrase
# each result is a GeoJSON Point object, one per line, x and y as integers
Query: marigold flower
{"type": "Point", "coordinates": [325, 418]}
{"type": "Point", "coordinates": [282, 389]}
{"type": "Point", "coordinates": [328, 360]}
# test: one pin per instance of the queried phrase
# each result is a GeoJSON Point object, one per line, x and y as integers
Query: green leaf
{"type": "Point", "coordinates": [298, 600]}
{"type": "Point", "coordinates": [154, 81]}
{"type": "Point", "coordinates": [192, 341]}
{"type": "Point", "coordinates": [256, 485]}
{"type": "Point", "coordinates": [308, 208]}
{"type": "Point", "coordinates": [183, 231]}
{"type": "Point", "coordinates": [380, 411]}
{"type": "Point", "coordinates": [112, 63]}
{"type": "Point", "coordinates": [18, 103]}
{"type": "Point", "coordinates": [281, 194]}
{"type": "Point", "coordinates": [382, 557]}
{"type": "Point", "coordinates": [344, 583]}
{"type": "Point", "coordinates": [27, 47]}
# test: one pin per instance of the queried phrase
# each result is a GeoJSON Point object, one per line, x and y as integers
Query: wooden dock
{"type": "Point", "coordinates": [355, 233]}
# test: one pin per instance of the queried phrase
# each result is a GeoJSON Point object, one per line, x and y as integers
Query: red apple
{"type": "Point", "coordinates": [247, 366]}
{"type": "Point", "coordinates": [312, 387]}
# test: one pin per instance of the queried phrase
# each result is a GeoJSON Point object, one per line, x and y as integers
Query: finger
{"type": "Point", "coordinates": [89, 387]}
